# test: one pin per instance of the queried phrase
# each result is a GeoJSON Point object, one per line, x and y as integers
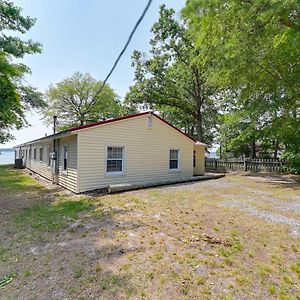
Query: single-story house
{"type": "Point", "coordinates": [135, 149]}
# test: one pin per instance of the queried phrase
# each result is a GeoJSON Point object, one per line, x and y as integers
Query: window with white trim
{"type": "Point", "coordinates": [34, 153]}
{"type": "Point", "coordinates": [114, 160]}
{"type": "Point", "coordinates": [174, 159]}
{"type": "Point", "coordinates": [65, 158]}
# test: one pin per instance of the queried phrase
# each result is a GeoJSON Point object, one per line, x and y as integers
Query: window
{"type": "Point", "coordinates": [26, 154]}
{"type": "Point", "coordinates": [65, 158]}
{"type": "Point", "coordinates": [194, 159]}
{"type": "Point", "coordinates": [41, 153]}
{"type": "Point", "coordinates": [34, 153]}
{"type": "Point", "coordinates": [174, 159]}
{"type": "Point", "coordinates": [115, 160]}
{"type": "Point", "coordinates": [30, 157]}
{"type": "Point", "coordinates": [48, 156]}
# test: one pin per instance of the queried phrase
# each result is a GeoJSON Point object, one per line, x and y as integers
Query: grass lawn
{"type": "Point", "coordinates": [237, 237]}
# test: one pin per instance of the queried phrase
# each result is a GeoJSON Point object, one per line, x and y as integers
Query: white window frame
{"type": "Point", "coordinates": [178, 159]}
{"type": "Point", "coordinates": [118, 173]}
{"type": "Point", "coordinates": [64, 171]}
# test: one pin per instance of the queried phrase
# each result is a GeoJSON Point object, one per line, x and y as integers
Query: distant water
{"type": "Point", "coordinates": [7, 157]}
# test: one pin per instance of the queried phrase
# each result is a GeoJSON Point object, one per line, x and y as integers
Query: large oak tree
{"type": "Point", "coordinates": [77, 101]}
{"type": "Point", "coordinates": [253, 50]}
{"type": "Point", "coordinates": [169, 79]}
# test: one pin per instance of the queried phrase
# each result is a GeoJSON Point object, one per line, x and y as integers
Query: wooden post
{"type": "Point", "coordinates": [245, 164]}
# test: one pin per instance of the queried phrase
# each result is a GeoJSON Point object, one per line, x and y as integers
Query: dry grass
{"type": "Point", "coordinates": [176, 242]}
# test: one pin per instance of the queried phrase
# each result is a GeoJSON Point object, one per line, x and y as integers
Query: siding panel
{"type": "Point", "coordinates": [67, 180]}
{"type": "Point", "coordinates": [146, 152]}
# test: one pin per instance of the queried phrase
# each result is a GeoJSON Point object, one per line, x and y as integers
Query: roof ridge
{"type": "Point", "coordinates": [74, 129]}
{"type": "Point", "coordinates": [109, 121]}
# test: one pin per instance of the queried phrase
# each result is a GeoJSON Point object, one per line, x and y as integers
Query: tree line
{"type": "Point", "coordinates": [225, 72]}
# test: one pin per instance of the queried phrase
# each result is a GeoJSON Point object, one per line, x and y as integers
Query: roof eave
{"type": "Point", "coordinates": [45, 138]}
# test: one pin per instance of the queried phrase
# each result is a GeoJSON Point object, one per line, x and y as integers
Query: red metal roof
{"type": "Point", "coordinates": [129, 117]}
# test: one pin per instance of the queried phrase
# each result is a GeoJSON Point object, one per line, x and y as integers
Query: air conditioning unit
{"type": "Point", "coordinates": [19, 163]}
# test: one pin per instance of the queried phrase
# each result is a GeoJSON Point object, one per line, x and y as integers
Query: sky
{"type": "Point", "coordinates": [84, 36]}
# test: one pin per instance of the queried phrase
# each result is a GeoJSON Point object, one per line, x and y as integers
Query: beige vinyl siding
{"type": "Point", "coordinates": [36, 165]}
{"type": "Point", "coordinates": [68, 178]}
{"type": "Point", "coordinates": [200, 159]}
{"type": "Point", "coordinates": [147, 153]}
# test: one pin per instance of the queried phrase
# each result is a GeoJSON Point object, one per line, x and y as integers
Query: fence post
{"type": "Point", "coordinates": [216, 166]}
{"type": "Point", "coordinates": [245, 164]}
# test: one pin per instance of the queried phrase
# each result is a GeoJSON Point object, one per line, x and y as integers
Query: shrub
{"type": "Point", "coordinates": [292, 159]}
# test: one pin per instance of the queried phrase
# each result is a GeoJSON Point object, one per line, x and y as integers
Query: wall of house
{"type": "Point", "coordinates": [38, 164]}
{"type": "Point", "coordinates": [199, 168]}
{"type": "Point", "coordinates": [147, 153]}
{"type": "Point", "coordinates": [68, 178]}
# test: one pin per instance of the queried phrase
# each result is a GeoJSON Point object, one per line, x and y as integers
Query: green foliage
{"type": "Point", "coordinates": [253, 52]}
{"type": "Point", "coordinates": [292, 161]}
{"type": "Point", "coordinates": [170, 81]}
{"type": "Point", "coordinates": [15, 96]}
{"type": "Point", "coordinates": [76, 102]}
{"type": "Point", "coordinates": [296, 268]}
{"type": "Point", "coordinates": [7, 279]}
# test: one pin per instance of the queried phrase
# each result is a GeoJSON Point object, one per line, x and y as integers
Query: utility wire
{"type": "Point", "coordinates": [123, 50]}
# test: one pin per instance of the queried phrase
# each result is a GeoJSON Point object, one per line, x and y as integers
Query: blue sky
{"type": "Point", "coordinates": [85, 36]}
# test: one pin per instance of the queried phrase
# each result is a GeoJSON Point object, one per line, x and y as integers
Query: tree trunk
{"type": "Point", "coordinates": [253, 149]}
{"type": "Point", "coordinates": [199, 128]}
{"type": "Point", "coordinates": [82, 119]}
{"type": "Point", "coordinates": [276, 149]}
{"type": "Point", "coordinates": [192, 131]}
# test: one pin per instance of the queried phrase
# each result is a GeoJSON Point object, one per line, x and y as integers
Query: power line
{"type": "Point", "coordinates": [123, 50]}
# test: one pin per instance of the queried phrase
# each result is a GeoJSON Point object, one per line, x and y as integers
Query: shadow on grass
{"type": "Point", "coordinates": [45, 216]}
{"type": "Point", "coordinates": [53, 220]}
{"type": "Point", "coordinates": [278, 180]}
{"type": "Point", "coordinates": [46, 220]}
